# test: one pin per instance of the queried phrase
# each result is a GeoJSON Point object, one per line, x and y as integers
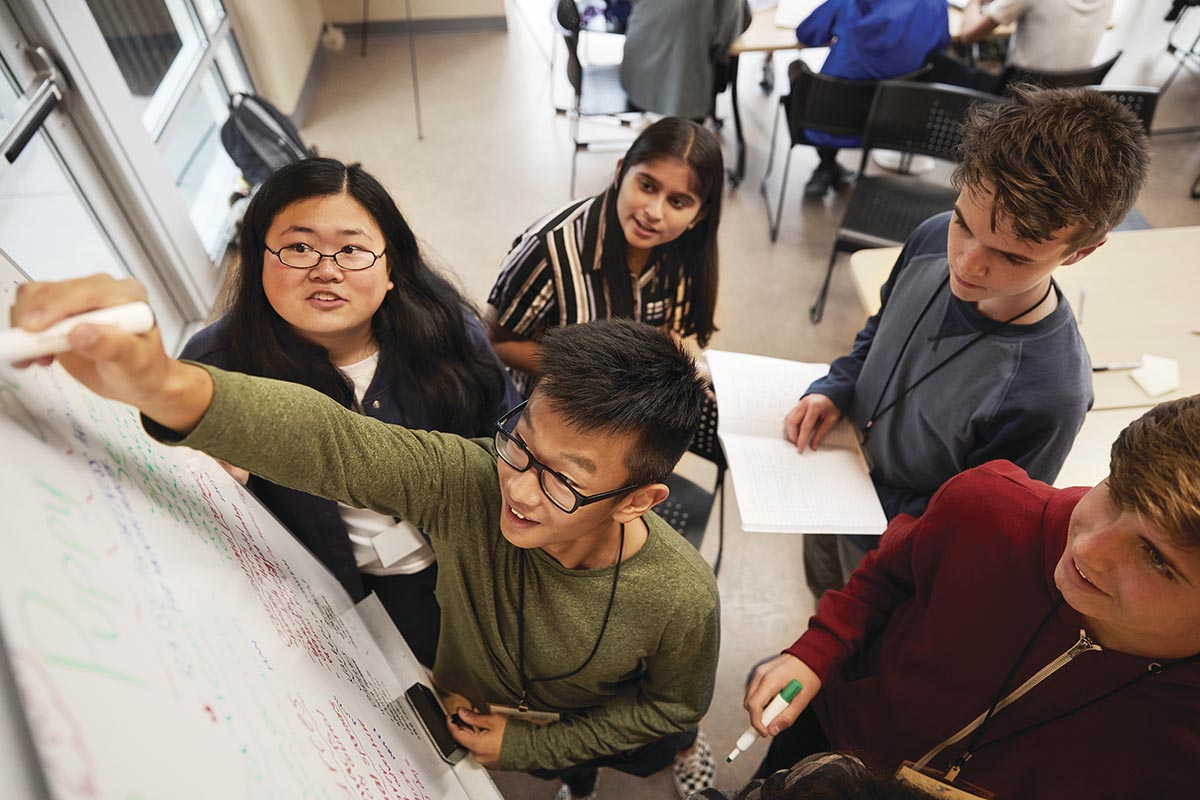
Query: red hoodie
{"type": "Point", "coordinates": [917, 644]}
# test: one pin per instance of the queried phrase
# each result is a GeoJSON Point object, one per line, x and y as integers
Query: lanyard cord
{"type": "Point", "coordinates": [974, 746]}
{"type": "Point", "coordinates": [880, 411]}
{"type": "Point", "coordinates": [526, 681]}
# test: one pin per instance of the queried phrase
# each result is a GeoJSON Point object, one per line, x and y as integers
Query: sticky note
{"type": "Point", "coordinates": [1157, 375]}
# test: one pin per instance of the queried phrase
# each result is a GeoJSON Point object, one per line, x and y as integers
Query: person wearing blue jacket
{"type": "Point", "coordinates": [871, 40]}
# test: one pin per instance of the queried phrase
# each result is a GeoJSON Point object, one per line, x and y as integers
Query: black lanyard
{"type": "Point", "coordinates": [526, 681]}
{"type": "Point", "coordinates": [975, 745]}
{"type": "Point", "coordinates": [879, 412]}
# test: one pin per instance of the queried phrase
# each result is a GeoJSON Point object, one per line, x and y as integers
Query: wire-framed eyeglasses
{"type": "Point", "coordinates": [350, 258]}
{"type": "Point", "coordinates": [555, 486]}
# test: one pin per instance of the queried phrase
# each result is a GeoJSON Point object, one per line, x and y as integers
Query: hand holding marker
{"type": "Point", "coordinates": [777, 704]}
{"type": "Point", "coordinates": [17, 344]}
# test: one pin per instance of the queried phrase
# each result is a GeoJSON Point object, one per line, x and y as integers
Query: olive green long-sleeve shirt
{"type": "Point", "coordinates": [653, 674]}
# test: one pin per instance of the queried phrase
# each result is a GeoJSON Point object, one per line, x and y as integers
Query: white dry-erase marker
{"type": "Point", "coordinates": [17, 344]}
{"type": "Point", "coordinates": [777, 704]}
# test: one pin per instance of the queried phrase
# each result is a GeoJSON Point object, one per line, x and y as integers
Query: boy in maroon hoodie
{"type": "Point", "coordinates": [1018, 639]}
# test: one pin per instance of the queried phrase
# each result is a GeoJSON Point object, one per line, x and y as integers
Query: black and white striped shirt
{"type": "Point", "coordinates": [570, 267]}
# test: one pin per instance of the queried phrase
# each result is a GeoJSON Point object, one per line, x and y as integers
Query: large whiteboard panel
{"type": "Point", "coordinates": [170, 639]}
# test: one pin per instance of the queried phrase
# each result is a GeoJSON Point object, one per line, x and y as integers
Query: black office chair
{"type": "Point", "coordinates": [912, 118]}
{"type": "Point", "coordinates": [688, 508]}
{"type": "Point", "coordinates": [1141, 100]}
{"type": "Point", "coordinates": [821, 103]}
{"type": "Point", "coordinates": [1088, 76]}
{"type": "Point", "coordinates": [598, 90]}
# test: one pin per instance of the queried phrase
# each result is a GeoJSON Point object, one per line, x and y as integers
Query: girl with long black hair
{"type": "Point", "coordinates": [332, 292]}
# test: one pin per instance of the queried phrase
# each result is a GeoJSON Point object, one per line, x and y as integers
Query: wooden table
{"type": "Point", "coordinates": [1139, 297]}
{"type": "Point", "coordinates": [764, 36]}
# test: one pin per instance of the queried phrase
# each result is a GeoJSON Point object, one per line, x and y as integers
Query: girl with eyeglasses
{"type": "Point", "coordinates": [332, 292]}
{"type": "Point", "coordinates": [645, 248]}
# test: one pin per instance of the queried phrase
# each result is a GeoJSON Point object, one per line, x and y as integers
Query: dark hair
{"type": "Point", "coordinates": [420, 326]}
{"type": "Point", "coordinates": [1056, 158]}
{"type": "Point", "coordinates": [621, 376]}
{"type": "Point", "coordinates": [834, 776]}
{"type": "Point", "coordinates": [696, 146]}
{"type": "Point", "coordinates": [1154, 469]}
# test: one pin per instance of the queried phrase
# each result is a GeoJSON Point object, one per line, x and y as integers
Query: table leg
{"type": "Point", "coordinates": [736, 174]}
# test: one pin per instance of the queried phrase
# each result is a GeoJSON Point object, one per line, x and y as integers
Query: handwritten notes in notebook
{"type": "Point", "coordinates": [778, 489]}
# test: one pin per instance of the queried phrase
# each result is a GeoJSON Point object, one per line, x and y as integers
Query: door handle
{"type": "Point", "coordinates": [34, 106]}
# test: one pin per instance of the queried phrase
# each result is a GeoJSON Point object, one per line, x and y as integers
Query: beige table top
{"type": "Point", "coordinates": [1139, 298]}
{"type": "Point", "coordinates": [764, 36]}
{"type": "Point", "coordinates": [1087, 463]}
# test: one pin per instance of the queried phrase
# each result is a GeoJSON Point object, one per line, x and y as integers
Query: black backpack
{"type": "Point", "coordinates": [260, 138]}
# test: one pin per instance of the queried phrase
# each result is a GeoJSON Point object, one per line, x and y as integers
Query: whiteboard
{"type": "Point", "coordinates": [169, 639]}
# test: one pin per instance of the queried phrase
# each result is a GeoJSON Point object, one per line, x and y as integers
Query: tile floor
{"type": "Point", "coordinates": [495, 156]}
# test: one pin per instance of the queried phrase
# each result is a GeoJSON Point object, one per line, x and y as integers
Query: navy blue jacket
{"type": "Point", "coordinates": [314, 520]}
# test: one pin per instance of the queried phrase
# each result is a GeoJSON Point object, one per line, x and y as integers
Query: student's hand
{"type": "Point", "coordinates": [483, 742]}
{"type": "Point", "coordinates": [812, 418]}
{"type": "Point", "coordinates": [131, 368]}
{"type": "Point", "coordinates": [768, 680]}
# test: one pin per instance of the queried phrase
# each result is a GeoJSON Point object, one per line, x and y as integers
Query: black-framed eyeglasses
{"type": "Point", "coordinates": [555, 486]}
{"type": "Point", "coordinates": [351, 258]}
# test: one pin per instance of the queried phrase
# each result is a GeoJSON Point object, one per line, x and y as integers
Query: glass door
{"type": "Point", "coordinates": [57, 218]}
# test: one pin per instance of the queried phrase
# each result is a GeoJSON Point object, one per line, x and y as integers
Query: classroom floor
{"type": "Point", "coordinates": [495, 156]}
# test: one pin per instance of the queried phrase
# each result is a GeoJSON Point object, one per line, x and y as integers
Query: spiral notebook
{"type": "Point", "coordinates": [779, 490]}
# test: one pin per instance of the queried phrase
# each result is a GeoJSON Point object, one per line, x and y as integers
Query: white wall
{"type": "Point", "coordinates": [278, 39]}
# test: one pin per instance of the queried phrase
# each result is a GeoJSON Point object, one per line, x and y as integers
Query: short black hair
{"type": "Point", "coordinates": [620, 376]}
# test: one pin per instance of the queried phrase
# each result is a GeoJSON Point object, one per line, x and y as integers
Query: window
{"type": "Point", "coordinates": [181, 64]}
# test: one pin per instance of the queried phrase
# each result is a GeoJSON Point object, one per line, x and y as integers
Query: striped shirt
{"type": "Point", "coordinates": [570, 267]}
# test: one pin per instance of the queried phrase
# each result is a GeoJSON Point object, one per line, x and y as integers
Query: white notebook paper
{"type": "Point", "coordinates": [779, 490]}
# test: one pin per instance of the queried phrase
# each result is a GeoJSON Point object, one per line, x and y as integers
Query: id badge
{"type": "Point", "coordinates": [931, 782]}
{"type": "Point", "coordinates": [536, 717]}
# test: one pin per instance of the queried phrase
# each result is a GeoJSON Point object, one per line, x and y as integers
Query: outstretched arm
{"type": "Point", "coordinates": [131, 368]}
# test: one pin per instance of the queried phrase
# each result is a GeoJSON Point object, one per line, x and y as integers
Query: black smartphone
{"type": "Point", "coordinates": [433, 719]}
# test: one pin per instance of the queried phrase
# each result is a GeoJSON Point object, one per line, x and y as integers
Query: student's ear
{"type": "Point", "coordinates": [640, 501]}
{"type": "Point", "coordinates": [1082, 253]}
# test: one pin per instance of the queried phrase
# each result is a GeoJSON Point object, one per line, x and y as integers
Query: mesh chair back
{"type": "Point", "coordinates": [1141, 100]}
{"type": "Point", "coordinates": [705, 443]}
{"type": "Point", "coordinates": [828, 104]}
{"type": "Point", "coordinates": [1088, 76]}
{"type": "Point", "coordinates": [569, 23]}
{"type": "Point", "coordinates": [920, 118]}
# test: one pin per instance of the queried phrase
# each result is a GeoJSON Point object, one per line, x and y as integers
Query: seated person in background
{"type": "Point", "coordinates": [1019, 638]}
{"type": "Point", "coordinates": [645, 248]}
{"type": "Point", "coordinates": [821, 776]}
{"type": "Point", "coordinates": [671, 51]}
{"type": "Point", "coordinates": [332, 292]}
{"type": "Point", "coordinates": [561, 592]}
{"type": "Point", "coordinates": [871, 40]}
{"type": "Point", "coordinates": [1048, 35]}
{"type": "Point", "coordinates": [974, 354]}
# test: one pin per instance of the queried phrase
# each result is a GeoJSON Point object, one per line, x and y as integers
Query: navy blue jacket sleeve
{"type": "Point", "coordinates": [512, 397]}
{"type": "Point", "coordinates": [838, 385]}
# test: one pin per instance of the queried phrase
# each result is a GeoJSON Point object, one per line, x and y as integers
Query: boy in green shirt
{"type": "Point", "coordinates": [561, 592]}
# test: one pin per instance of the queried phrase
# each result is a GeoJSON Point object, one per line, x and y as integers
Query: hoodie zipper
{"type": "Point", "coordinates": [1084, 645]}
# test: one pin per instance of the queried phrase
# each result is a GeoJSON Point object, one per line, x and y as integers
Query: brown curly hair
{"type": "Point", "coordinates": [1055, 159]}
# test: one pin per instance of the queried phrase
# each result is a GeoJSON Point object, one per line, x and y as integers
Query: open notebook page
{"type": "Point", "coordinates": [780, 490]}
